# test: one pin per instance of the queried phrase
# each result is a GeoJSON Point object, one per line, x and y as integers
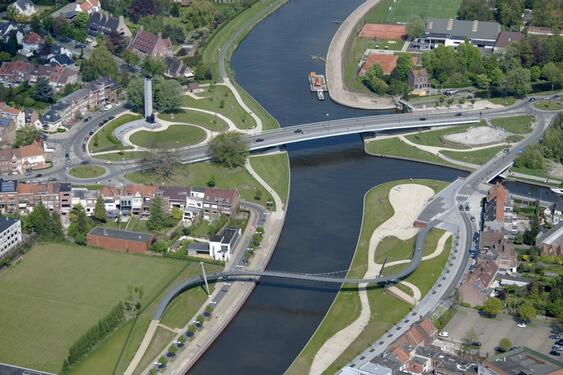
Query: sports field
{"type": "Point", "coordinates": [58, 291]}
{"type": "Point", "coordinates": [392, 11]}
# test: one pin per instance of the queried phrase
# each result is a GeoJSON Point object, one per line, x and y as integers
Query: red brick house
{"type": "Point", "coordinates": [120, 240]}
{"type": "Point", "coordinates": [149, 44]}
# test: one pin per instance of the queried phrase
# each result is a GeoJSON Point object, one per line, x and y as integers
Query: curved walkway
{"type": "Point", "coordinates": [408, 201]}
{"type": "Point", "coordinates": [230, 123]}
{"type": "Point", "coordinates": [227, 82]}
{"type": "Point", "coordinates": [277, 200]}
{"type": "Point", "coordinates": [436, 150]}
{"type": "Point", "coordinates": [334, 65]}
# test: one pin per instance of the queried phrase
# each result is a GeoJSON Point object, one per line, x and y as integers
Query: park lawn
{"type": "Point", "coordinates": [385, 310]}
{"type": "Point", "coordinates": [391, 270]}
{"type": "Point", "coordinates": [392, 11]}
{"type": "Point", "coordinates": [205, 120]}
{"type": "Point", "coordinates": [474, 157]}
{"type": "Point", "coordinates": [515, 125]}
{"type": "Point", "coordinates": [175, 136]}
{"type": "Point", "coordinates": [268, 121]}
{"type": "Point", "coordinates": [274, 169]}
{"type": "Point", "coordinates": [352, 56]}
{"type": "Point", "coordinates": [549, 105]}
{"type": "Point", "coordinates": [432, 240]}
{"type": "Point", "coordinates": [87, 171]}
{"type": "Point", "coordinates": [104, 136]}
{"type": "Point", "coordinates": [161, 339]}
{"type": "Point", "coordinates": [394, 147]}
{"type": "Point", "coordinates": [508, 101]}
{"type": "Point", "coordinates": [428, 271]}
{"type": "Point", "coordinates": [198, 174]}
{"type": "Point", "coordinates": [393, 249]}
{"type": "Point", "coordinates": [75, 287]}
{"type": "Point", "coordinates": [220, 99]}
{"type": "Point", "coordinates": [434, 137]}
{"type": "Point", "coordinates": [184, 307]}
{"type": "Point", "coordinates": [126, 155]}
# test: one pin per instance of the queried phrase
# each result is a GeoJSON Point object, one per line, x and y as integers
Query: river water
{"type": "Point", "coordinates": [328, 181]}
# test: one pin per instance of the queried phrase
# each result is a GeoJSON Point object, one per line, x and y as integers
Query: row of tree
{"type": "Point", "coordinates": [93, 336]}
{"type": "Point", "coordinates": [550, 147]}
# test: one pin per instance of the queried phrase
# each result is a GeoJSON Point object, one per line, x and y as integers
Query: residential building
{"type": "Point", "coordinates": [25, 158]}
{"type": "Point", "coordinates": [120, 240]}
{"type": "Point", "coordinates": [25, 8]}
{"type": "Point", "coordinates": [174, 196]}
{"type": "Point", "coordinates": [418, 80]}
{"type": "Point", "coordinates": [32, 118]}
{"type": "Point", "coordinates": [86, 198]}
{"type": "Point", "coordinates": [8, 196]}
{"type": "Point", "coordinates": [18, 116]}
{"type": "Point", "coordinates": [7, 131]}
{"type": "Point", "coordinates": [194, 205]}
{"type": "Point", "coordinates": [505, 38]}
{"type": "Point", "coordinates": [499, 209]}
{"type": "Point", "coordinates": [519, 361]}
{"type": "Point", "coordinates": [9, 28]}
{"type": "Point", "coordinates": [556, 211]}
{"type": "Point", "coordinates": [14, 73]}
{"type": "Point", "coordinates": [94, 95]}
{"type": "Point", "coordinates": [32, 43]}
{"type": "Point", "coordinates": [176, 68]}
{"type": "Point", "coordinates": [136, 199]}
{"type": "Point", "coordinates": [10, 235]}
{"type": "Point", "coordinates": [219, 201]}
{"type": "Point", "coordinates": [221, 245]}
{"type": "Point", "coordinates": [88, 6]}
{"type": "Point", "coordinates": [112, 203]}
{"type": "Point", "coordinates": [451, 32]}
{"type": "Point", "coordinates": [104, 23]}
{"type": "Point", "coordinates": [476, 288]}
{"type": "Point", "coordinates": [148, 44]}
{"type": "Point", "coordinates": [542, 31]}
{"type": "Point", "coordinates": [551, 242]}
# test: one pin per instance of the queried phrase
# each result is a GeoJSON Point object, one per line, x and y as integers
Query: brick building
{"type": "Point", "coordinates": [25, 158]}
{"type": "Point", "coordinates": [120, 240]}
{"type": "Point", "coordinates": [149, 44]}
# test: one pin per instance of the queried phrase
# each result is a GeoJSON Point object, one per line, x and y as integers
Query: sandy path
{"type": "Point", "coordinates": [436, 150]}
{"type": "Point", "coordinates": [408, 201]}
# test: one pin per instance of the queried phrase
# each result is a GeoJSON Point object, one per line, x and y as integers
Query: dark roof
{"type": "Point", "coordinates": [174, 192]}
{"type": "Point", "coordinates": [5, 223]}
{"type": "Point", "coordinates": [460, 29]}
{"type": "Point", "coordinates": [61, 60]}
{"type": "Point", "coordinates": [524, 360]}
{"type": "Point", "coordinates": [102, 23]}
{"type": "Point", "coordinates": [507, 37]}
{"type": "Point", "coordinates": [228, 236]}
{"type": "Point", "coordinates": [23, 4]}
{"type": "Point", "coordinates": [121, 234]}
{"type": "Point", "coordinates": [198, 246]}
{"type": "Point", "coordinates": [8, 186]}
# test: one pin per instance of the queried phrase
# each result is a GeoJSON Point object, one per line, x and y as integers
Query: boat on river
{"type": "Point", "coordinates": [557, 191]}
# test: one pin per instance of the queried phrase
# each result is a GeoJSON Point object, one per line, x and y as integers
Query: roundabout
{"type": "Point", "coordinates": [87, 171]}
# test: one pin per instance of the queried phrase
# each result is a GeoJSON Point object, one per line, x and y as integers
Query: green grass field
{"type": "Point", "coordinates": [205, 120]}
{"type": "Point", "coordinates": [198, 174]}
{"type": "Point", "coordinates": [87, 171]}
{"type": "Point", "coordinates": [393, 249]}
{"type": "Point", "coordinates": [549, 105]}
{"type": "Point", "coordinates": [385, 309]}
{"type": "Point", "coordinates": [105, 139]}
{"type": "Point", "coordinates": [175, 136]}
{"type": "Point", "coordinates": [394, 147]}
{"type": "Point", "coordinates": [275, 170]}
{"type": "Point", "coordinates": [515, 125]}
{"type": "Point", "coordinates": [58, 291]}
{"type": "Point", "coordinates": [392, 11]}
{"type": "Point", "coordinates": [474, 157]}
{"type": "Point", "coordinates": [434, 137]}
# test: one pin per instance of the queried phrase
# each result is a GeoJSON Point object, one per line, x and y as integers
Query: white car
{"type": "Point", "coordinates": [522, 325]}
{"type": "Point", "coordinates": [107, 107]}
{"type": "Point", "coordinates": [444, 334]}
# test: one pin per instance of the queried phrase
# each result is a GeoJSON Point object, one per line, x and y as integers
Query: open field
{"type": "Point", "coordinates": [509, 100]}
{"type": "Point", "coordinates": [197, 175]}
{"type": "Point", "coordinates": [161, 339]}
{"type": "Point", "coordinates": [385, 309]}
{"type": "Point", "coordinates": [392, 248]}
{"type": "Point", "coordinates": [394, 147]}
{"type": "Point", "coordinates": [389, 11]}
{"type": "Point", "coordinates": [549, 105]}
{"type": "Point", "coordinates": [59, 291]}
{"type": "Point", "coordinates": [474, 157]}
{"type": "Point", "coordinates": [516, 124]}
{"type": "Point", "coordinates": [434, 137]}
{"type": "Point", "coordinates": [104, 137]}
{"type": "Point", "coordinates": [275, 170]}
{"type": "Point", "coordinates": [86, 171]}
{"type": "Point", "coordinates": [205, 120]}
{"type": "Point", "coordinates": [175, 136]}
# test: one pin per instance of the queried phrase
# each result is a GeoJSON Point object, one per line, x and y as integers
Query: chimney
{"type": "Point", "coordinates": [475, 26]}
{"type": "Point", "coordinates": [450, 24]}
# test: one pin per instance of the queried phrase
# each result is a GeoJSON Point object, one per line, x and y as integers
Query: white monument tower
{"type": "Point", "coordinates": [148, 100]}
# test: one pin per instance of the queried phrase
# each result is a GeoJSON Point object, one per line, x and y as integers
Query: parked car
{"type": "Point", "coordinates": [38, 175]}
{"type": "Point", "coordinates": [554, 337]}
{"type": "Point", "coordinates": [555, 353]}
{"type": "Point", "coordinates": [108, 161]}
{"type": "Point", "coordinates": [259, 140]}
{"type": "Point", "coordinates": [444, 334]}
{"type": "Point", "coordinates": [422, 119]}
{"type": "Point", "coordinates": [298, 131]}
{"type": "Point", "coordinates": [557, 347]}
{"type": "Point", "coordinates": [522, 325]}
{"type": "Point", "coordinates": [458, 114]}
{"type": "Point", "coordinates": [51, 179]}
{"type": "Point", "coordinates": [84, 162]}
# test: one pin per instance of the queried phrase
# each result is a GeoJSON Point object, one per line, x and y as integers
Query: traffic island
{"type": "Point", "coordinates": [87, 171]}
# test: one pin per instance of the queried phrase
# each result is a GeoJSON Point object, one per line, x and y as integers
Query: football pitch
{"type": "Point", "coordinates": [58, 291]}
{"type": "Point", "coordinates": [393, 11]}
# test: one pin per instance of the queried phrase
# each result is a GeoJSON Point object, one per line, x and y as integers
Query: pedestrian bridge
{"type": "Point", "coordinates": [416, 258]}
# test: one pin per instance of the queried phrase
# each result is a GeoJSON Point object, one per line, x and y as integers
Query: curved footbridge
{"type": "Point", "coordinates": [415, 260]}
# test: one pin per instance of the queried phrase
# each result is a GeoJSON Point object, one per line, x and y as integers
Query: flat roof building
{"type": "Point", "coordinates": [521, 361]}
{"type": "Point", "coordinates": [120, 240]}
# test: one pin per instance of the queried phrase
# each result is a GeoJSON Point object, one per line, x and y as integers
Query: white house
{"type": "Point", "coordinates": [88, 6]}
{"type": "Point", "coordinates": [86, 198]}
{"type": "Point", "coordinates": [32, 43]}
{"type": "Point", "coordinates": [12, 113]}
{"type": "Point", "coordinates": [222, 244]}
{"type": "Point", "coordinates": [10, 235]}
{"type": "Point", "coordinates": [25, 7]}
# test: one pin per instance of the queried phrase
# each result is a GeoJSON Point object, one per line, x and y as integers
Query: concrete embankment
{"type": "Point", "coordinates": [335, 64]}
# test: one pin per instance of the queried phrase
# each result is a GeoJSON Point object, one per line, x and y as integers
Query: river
{"type": "Point", "coordinates": [328, 181]}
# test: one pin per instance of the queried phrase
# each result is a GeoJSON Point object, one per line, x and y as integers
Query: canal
{"type": "Point", "coordinates": [328, 181]}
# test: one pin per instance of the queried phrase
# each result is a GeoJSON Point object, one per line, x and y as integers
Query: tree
{"type": "Point", "coordinates": [140, 8]}
{"type": "Point", "coordinates": [176, 214]}
{"type": "Point", "coordinates": [526, 311]}
{"type": "Point", "coordinates": [415, 27]}
{"type": "Point", "coordinates": [12, 13]}
{"type": "Point", "coordinates": [202, 72]}
{"type": "Point", "coordinates": [402, 68]}
{"type": "Point", "coordinates": [482, 82]}
{"type": "Point", "coordinates": [509, 12]}
{"type": "Point", "coordinates": [131, 58]}
{"type": "Point", "coordinates": [175, 10]}
{"type": "Point", "coordinates": [100, 64]}
{"type": "Point", "coordinates": [531, 158]}
{"type": "Point", "coordinates": [162, 161]}
{"type": "Point", "coordinates": [100, 214]}
{"type": "Point", "coordinates": [505, 344]}
{"type": "Point", "coordinates": [201, 13]}
{"type": "Point", "coordinates": [475, 10]}
{"type": "Point", "coordinates": [135, 93]}
{"type": "Point", "coordinates": [153, 67]}
{"type": "Point", "coordinates": [80, 224]}
{"type": "Point", "coordinates": [518, 82]}
{"type": "Point", "coordinates": [230, 149]}
{"type": "Point", "coordinates": [553, 74]}
{"type": "Point", "coordinates": [160, 246]}
{"type": "Point", "coordinates": [43, 92]}
{"type": "Point", "coordinates": [492, 307]}
{"type": "Point", "coordinates": [157, 218]}
{"type": "Point", "coordinates": [211, 182]}
{"type": "Point", "coordinates": [373, 80]}
{"type": "Point", "coordinates": [47, 226]}
{"type": "Point", "coordinates": [26, 135]}
{"type": "Point", "coordinates": [167, 94]}
{"type": "Point", "coordinates": [162, 361]}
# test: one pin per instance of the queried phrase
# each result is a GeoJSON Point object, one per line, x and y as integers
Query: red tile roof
{"type": "Point", "coordinates": [33, 38]}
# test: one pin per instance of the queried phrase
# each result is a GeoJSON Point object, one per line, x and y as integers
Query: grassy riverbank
{"type": "Point", "coordinates": [385, 309]}
{"type": "Point", "coordinates": [275, 170]}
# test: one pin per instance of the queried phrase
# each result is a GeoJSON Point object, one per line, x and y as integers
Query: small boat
{"type": "Point", "coordinates": [320, 95]}
{"type": "Point", "coordinates": [557, 191]}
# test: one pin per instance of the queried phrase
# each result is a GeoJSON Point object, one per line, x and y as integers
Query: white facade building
{"type": "Point", "coordinates": [221, 245]}
{"type": "Point", "coordinates": [10, 235]}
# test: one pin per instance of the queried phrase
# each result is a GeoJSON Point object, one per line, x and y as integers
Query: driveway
{"type": "Point", "coordinates": [491, 331]}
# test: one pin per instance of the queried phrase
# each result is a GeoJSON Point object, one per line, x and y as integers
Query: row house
{"type": "Point", "coordinates": [7, 131]}
{"type": "Point", "coordinates": [55, 196]}
{"type": "Point", "coordinates": [94, 95]}
{"type": "Point", "coordinates": [18, 116]}
{"type": "Point", "coordinates": [23, 159]}
{"type": "Point", "coordinates": [86, 198]}
{"type": "Point", "coordinates": [14, 73]}
{"type": "Point", "coordinates": [101, 23]}
{"type": "Point", "coordinates": [134, 199]}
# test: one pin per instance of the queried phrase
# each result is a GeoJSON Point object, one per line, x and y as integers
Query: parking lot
{"type": "Point", "coordinates": [491, 331]}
